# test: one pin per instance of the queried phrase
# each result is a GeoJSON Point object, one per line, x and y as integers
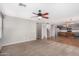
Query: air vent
{"type": "Point", "coordinates": [21, 4]}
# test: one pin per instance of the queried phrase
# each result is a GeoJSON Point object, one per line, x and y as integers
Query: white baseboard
{"type": "Point", "coordinates": [11, 43]}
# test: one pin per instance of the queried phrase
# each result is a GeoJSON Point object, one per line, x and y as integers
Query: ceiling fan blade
{"type": "Point", "coordinates": [45, 14]}
{"type": "Point", "coordinates": [34, 13]}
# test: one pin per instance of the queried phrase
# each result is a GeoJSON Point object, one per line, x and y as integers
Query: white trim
{"type": "Point", "coordinates": [11, 43]}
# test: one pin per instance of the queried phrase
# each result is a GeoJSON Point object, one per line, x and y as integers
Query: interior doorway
{"type": "Point", "coordinates": [38, 31]}
{"type": "Point", "coordinates": [43, 31]}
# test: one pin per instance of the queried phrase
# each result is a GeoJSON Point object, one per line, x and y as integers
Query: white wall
{"type": "Point", "coordinates": [18, 30]}
{"type": "Point", "coordinates": [44, 31]}
{"type": "Point", "coordinates": [0, 28]}
{"type": "Point", "coordinates": [0, 32]}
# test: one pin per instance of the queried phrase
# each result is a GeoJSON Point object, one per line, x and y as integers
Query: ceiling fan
{"type": "Point", "coordinates": [40, 14]}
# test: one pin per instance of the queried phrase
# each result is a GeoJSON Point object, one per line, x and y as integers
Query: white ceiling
{"type": "Point", "coordinates": [57, 11]}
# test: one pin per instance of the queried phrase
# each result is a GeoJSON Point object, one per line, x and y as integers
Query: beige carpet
{"type": "Point", "coordinates": [40, 48]}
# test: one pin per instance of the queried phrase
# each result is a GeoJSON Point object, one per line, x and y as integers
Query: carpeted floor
{"type": "Point", "coordinates": [40, 48]}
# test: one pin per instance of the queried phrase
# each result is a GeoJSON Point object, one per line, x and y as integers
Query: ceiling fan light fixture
{"type": "Point", "coordinates": [39, 17]}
